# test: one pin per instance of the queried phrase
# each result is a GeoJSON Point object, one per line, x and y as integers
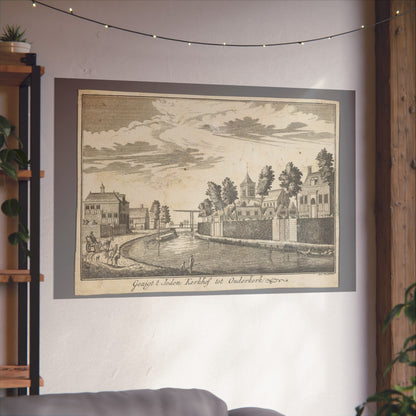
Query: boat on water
{"type": "Point", "coordinates": [316, 253]}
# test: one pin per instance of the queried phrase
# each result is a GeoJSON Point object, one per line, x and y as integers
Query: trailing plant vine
{"type": "Point", "coordinates": [12, 158]}
{"type": "Point", "coordinates": [399, 400]}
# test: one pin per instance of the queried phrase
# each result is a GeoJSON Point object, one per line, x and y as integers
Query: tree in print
{"type": "Point", "coordinates": [155, 211]}
{"type": "Point", "coordinates": [165, 215]}
{"type": "Point", "coordinates": [291, 182]}
{"type": "Point", "coordinates": [229, 193]}
{"type": "Point", "coordinates": [264, 184]}
{"type": "Point", "coordinates": [214, 194]}
{"type": "Point", "coordinates": [205, 208]}
{"type": "Point", "coordinates": [326, 169]}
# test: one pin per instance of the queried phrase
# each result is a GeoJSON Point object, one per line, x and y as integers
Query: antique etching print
{"type": "Point", "coordinates": [187, 193]}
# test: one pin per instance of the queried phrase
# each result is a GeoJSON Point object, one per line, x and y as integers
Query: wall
{"type": "Point", "coordinates": [302, 354]}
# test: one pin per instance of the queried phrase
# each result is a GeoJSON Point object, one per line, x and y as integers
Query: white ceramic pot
{"type": "Point", "coordinates": [21, 47]}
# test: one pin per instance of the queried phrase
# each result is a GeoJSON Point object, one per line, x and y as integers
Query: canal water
{"type": "Point", "coordinates": [218, 258]}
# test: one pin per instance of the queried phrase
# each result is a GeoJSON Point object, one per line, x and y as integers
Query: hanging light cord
{"type": "Point", "coordinates": [236, 45]}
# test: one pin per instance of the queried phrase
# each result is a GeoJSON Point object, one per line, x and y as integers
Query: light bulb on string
{"type": "Point", "coordinates": [397, 14]}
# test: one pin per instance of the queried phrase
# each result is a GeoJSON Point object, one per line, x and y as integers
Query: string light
{"type": "Point", "coordinates": [193, 42]}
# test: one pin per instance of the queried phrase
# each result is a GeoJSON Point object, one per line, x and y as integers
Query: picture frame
{"type": "Point", "coordinates": [182, 146]}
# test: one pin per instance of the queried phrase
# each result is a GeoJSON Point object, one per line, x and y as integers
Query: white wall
{"type": "Point", "coordinates": [301, 354]}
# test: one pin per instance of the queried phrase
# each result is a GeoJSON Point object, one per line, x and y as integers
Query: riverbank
{"type": "Point", "coordinates": [113, 262]}
{"type": "Point", "coordinates": [303, 248]}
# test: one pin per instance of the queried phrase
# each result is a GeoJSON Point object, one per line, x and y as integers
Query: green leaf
{"type": "Point", "coordinates": [410, 311]}
{"type": "Point", "coordinates": [359, 410]}
{"type": "Point", "coordinates": [408, 340]}
{"type": "Point", "coordinates": [24, 232]}
{"type": "Point", "coordinates": [392, 314]}
{"type": "Point", "coordinates": [9, 170]}
{"type": "Point", "coordinates": [385, 395]}
{"type": "Point", "coordinates": [411, 348]}
{"type": "Point", "coordinates": [20, 158]}
{"type": "Point", "coordinates": [5, 126]}
{"type": "Point", "coordinates": [18, 238]}
{"type": "Point", "coordinates": [14, 239]}
{"type": "Point", "coordinates": [390, 366]}
{"type": "Point", "coordinates": [403, 357]}
{"type": "Point", "coordinates": [25, 250]}
{"type": "Point", "coordinates": [13, 33]}
{"type": "Point", "coordinates": [408, 290]}
{"type": "Point", "coordinates": [4, 155]}
{"type": "Point", "coordinates": [11, 207]}
{"type": "Point", "coordinates": [14, 155]}
{"type": "Point", "coordinates": [2, 140]}
{"type": "Point", "coordinates": [402, 389]}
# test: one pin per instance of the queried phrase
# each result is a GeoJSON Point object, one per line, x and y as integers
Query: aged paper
{"type": "Point", "coordinates": [183, 194]}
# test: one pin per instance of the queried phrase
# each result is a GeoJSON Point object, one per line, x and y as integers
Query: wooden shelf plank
{"type": "Point", "coordinates": [15, 376]}
{"type": "Point", "coordinates": [12, 70]}
{"type": "Point", "coordinates": [17, 276]}
{"type": "Point", "coordinates": [12, 58]}
{"type": "Point", "coordinates": [13, 76]}
{"type": "Point", "coordinates": [25, 175]}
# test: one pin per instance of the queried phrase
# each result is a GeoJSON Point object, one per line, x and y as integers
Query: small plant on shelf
{"type": "Point", "coordinates": [12, 40]}
{"type": "Point", "coordinates": [13, 33]}
{"type": "Point", "coordinates": [12, 158]}
{"type": "Point", "coordinates": [399, 400]}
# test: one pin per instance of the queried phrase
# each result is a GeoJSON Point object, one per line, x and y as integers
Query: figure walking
{"type": "Point", "coordinates": [191, 263]}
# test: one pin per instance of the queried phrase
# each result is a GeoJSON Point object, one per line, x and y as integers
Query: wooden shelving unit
{"type": "Point", "coordinates": [25, 175]}
{"type": "Point", "coordinates": [16, 376]}
{"type": "Point", "coordinates": [13, 71]}
{"type": "Point", "coordinates": [20, 70]}
{"type": "Point", "coordinates": [17, 276]}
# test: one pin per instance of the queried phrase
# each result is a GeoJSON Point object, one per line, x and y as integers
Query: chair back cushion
{"type": "Point", "coordinates": [163, 402]}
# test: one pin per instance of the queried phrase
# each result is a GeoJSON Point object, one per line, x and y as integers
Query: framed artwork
{"type": "Point", "coordinates": [202, 189]}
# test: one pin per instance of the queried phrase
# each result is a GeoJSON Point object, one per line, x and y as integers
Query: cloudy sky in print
{"type": "Point", "coordinates": [168, 147]}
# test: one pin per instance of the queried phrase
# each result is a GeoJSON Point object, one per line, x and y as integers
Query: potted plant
{"type": "Point", "coordinates": [12, 158]}
{"type": "Point", "coordinates": [12, 40]}
{"type": "Point", "coordinates": [399, 400]}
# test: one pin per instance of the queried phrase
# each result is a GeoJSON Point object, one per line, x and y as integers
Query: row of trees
{"type": "Point", "coordinates": [222, 196]}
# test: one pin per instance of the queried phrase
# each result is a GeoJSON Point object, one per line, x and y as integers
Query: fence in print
{"type": "Point", "coordinates": [302, 230]}
{"type": "Point", "coordinates": [250, 230]}
{"type": "Point", "coordinates": [316, 230]}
